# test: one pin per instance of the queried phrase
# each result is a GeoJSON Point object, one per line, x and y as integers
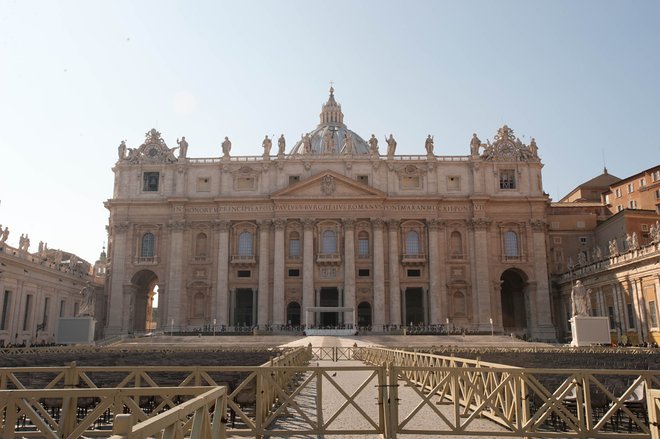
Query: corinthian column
{"type": "Point", "coordinates": [379, 273]}
{"type": "Point", "coordinates": [308, 270]}
{"type": "Point", "coordinates": [278, 273]}
{"type": "Point", "coordinates": [264, 265]}
{"type": "Point", "coordinates": [175, 272]}
{"type": "Point", "coordinates": [395, 292]}
{"type": "Point", "coordinates": [349, 266]}
{"type": "Point", "coordinates": [435, 294]}
{"type": "Point", "coordinates": [117, 279]}
{"type": "Point", "coordinates": [478, 229]}
{"type": "Point", "coordinates": [544, 329]}
{"type": "Point", "coordinates": [221, 303]}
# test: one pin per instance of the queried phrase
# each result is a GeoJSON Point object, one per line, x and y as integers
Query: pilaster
{"type": "Point", "coordinates": [175, 271]}
{"type": "Point", "coordinates": [349, 266]}
{"type": "Point", "coordinates": [221, 311]}
{"type": "Point", "coordinates": [279, 307]}
{"type": "Point", "coordinates": [395, 289]}
{"type": "Point", "coordinates": [261, 300]}
{"type": "Point", "coordinates": [116, 294]}
{"type": "Point", "coordinates": [379, 273]}
{"type": "Point", "coordinates": [544, 329]}
{"type": "Point", "coordinates": [435, 295]}
{"type": "Point", "coordinates": [478, 228]}
{"type": "Point", "coordinates": [308, 270]}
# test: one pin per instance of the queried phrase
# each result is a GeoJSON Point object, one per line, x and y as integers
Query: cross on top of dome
{"type": "Point", "coordinates": [331, 111]}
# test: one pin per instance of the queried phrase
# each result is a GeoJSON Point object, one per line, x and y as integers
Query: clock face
{"type": "Point", "coordinates": [153, 152]}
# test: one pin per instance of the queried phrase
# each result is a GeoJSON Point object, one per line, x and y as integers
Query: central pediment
{"type": "Point", "coordinates": [328, 185]}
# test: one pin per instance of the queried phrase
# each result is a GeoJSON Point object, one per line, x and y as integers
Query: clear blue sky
{"type": "Point", "coordinates": [77, 77]}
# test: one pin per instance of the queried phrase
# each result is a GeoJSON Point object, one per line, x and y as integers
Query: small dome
{"type": "Point", "coordinates": [331, 136]}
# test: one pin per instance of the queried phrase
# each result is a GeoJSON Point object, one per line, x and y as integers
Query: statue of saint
{"type": "Point", "coordinates": [88, 299]}
{"type": "Point", "coordinates": [328, 142]}
{"type": "Point", "coordinates": [580, 305]}
{"type": "Point", "coordinates": [614, 248]}
{"type": "Point", "coordinates": [533, 148]}
{"type": "Point", "coordinates": [183, 147]}
{"type": "Point", "coordinates": [348, 144]}
{"type": "Point", "coordinates": [429, 145]}
{"type": "Point", "coordinates": [635, 243]}
{"type": "Point", "coordinates": [267, 144]}
{"type": "Point", "coordinates": [391, 146]}
{"type": "Point", "coordinates": [475, 143]}
{"type": "Point", "coordinates": [226, 147]}
{"type": "Point", "coordinates": [5, 235]}
{"type": "Point", "coordinates": [582, 259]}
{"type": "Point", "coordinates": [629, 242]}
{"type": "Point", "coordinates": [121, 150]}
{"type": "Point", "coordinates": [281, 145]}
{"type": "Point", "coordinates": [307, 143]}
{"type": "Point", "coordinates": [373, 145]}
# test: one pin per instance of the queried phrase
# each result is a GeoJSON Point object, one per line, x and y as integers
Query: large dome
{"type": "Point", "coordinates": [331, 136]}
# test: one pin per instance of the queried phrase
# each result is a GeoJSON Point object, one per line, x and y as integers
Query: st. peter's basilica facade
{"type": "Point", "coordinates": [331, 231]}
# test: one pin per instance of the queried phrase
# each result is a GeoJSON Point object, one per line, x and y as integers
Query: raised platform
{"type": "Point", "coordinates": [331, 332]}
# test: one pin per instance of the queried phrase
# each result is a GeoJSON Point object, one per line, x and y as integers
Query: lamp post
{"type": "Point", "coordinates": [492, 332]}
{"type": "Point", "coordinates": [172, 328]}
{"type": "Point", "coordinates": [214, 327]}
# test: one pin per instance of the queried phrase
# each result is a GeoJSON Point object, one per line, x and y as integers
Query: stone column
{"type": "Point", "coordinates": [378, 307]}
{"type": "Point", "coordinates": [481, 284]}
{"type": "Point", "coordinates": [349, 266]}
{"type": "Point", "coordinates": [638, 303]}
{"type": "Point", "coordinates": [623, 309]}
{"type": "Point", "coordinates": [617, 311]}
{"type": "Point", "coordinates": [175, 273]}
{"type": "Point", "coordinates": [221, 311]}
{"type": "Point", "coordinates": [600, 299]}
{"type": "Point", "coordinates": [308, 269]}
{"type": "Point", "coordinates": [279, 307]}
{"type": "Point", "coordinates": [436, 309]}
{"type": "Point", "coordinates": [544, 329]}
{"type": "Point", "coordinates": [395, 291]}
{"type": "Point", "coordinates": [117, 279]}
{"type": "Point", "coordinates": [262, 301]}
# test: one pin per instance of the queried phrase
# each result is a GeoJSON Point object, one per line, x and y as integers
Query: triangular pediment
{"type": "Point", "coordinates": [328, 185]}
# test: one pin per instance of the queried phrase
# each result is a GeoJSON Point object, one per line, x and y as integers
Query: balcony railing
{"type": "Point", "coordinates": [413, 258]}
{"type": "Point", "coordinates": [143, 260]}
{"type": "Point", "coordinates": [243, 259]}
{"type": "Point", "coordinates": [328, 258]}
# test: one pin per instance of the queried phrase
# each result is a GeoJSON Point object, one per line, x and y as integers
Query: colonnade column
{"type": "Point", "coordinates": [481, 278]}
{"type": "Point", "coordinates": [617, 313]}
{"type": "Point", "coordinates": [278, 273]}
{"type": "Point", "coordinates": [175, 271]}
{"type": "Point", "coordinates": [543, 330]}
{"type": "Point", "coordinates": [221, 294]}
{"type": "Point", "coordinates": [395, 292]}
{"type": "Point", "coordinates": [435, 272]}
{"type": "Point", "coordinates": [378, 310]}
{"type": "Point", "coordinates": [349, 267]}
{"type": "Point", "coordinates": [116, 293]}
{"type": "Point", "coordinates": [308, 271]}
{"type": "Point", "coordinates": [261, 301]}
{"type": "Point", "coordinates": [640, 309]}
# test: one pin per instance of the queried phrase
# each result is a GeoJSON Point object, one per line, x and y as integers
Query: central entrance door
{"type": "Point", "coordinates": [243, 311]}
{"type": "Point", "coordinates": [329, 297]}
{"type": "Point", "coordinates": [414, 306]}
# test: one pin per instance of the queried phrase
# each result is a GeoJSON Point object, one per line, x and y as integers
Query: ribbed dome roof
{"type": "Point", "coordinates": [331, 136]}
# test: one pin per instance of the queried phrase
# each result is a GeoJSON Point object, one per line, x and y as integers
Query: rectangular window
{"type": "Point", "coordinates": [645, 227]}
{"type": "Point", "coordinates": [607, 199]}
{"type": "Point", "coordinates": [293, 179]}
{"type": "Point", "coordinates": [294, 248]}
{"type": "Point", "coordinates": [657, 193]}
{"type": "Point", "coordinates": [150, 181]}
{"type": "Point", "coordinates": [655, 175]}
{"type": "Point", "coordinates": [631, 188]}
{"type": "Point", "coordinates": [631, 315]}
{"type": "Point", "coordinates": [76, 309]}
{"type": "Point", "coordinates": [244, 273]}
{"type": "Point", "coordinates": [556, 239]}
{"type": "Point", "coordinates": [5, 310]}
{"type": "Point", "coordinates": [203, 184]}
{"type": "Point", "coordinates": [363, 179]}
{"type": "Point", "coordinates": [62, 308]}
{"type": "Point", "coordinates": [414, 273]}
{"type": "Point", "coordinates": [642, 182]}
{"type": "Point", "coordinates": [363, 272]}
{"type": "Point", "coordinates": [363, 248]}
{"type": "Point", "coordinates": [554, 225]}
{"type": "Point", "coordinates": [653, 314]}
{"type": "Point", "coordinates": [583, 240]}
{"type": "Point", "coordinates": [453, 183]}
{"type": "Point", "coordinates": [294, 272]}
{"type": "Point", "coordinates": [632, 204]}
{"type": "Point", "coordinates": [619, 208]}
{"type": "Point", "coordinates": [44, 321]}
{"type": "Point", "coordinates": [617, 192]}
{"type": "Point", "coordinates": [507, 179]}
{"type": "Point", "coordinates": [26, 314]}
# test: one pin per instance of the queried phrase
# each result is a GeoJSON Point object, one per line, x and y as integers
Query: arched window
{"type": "Point", "coordinates": [456, 245]}
{"type": "Point", "coordinates": [363, 245]}
{"type": "Point", "coordinates": [245, 244]}
{"type": "Point", "coordinates": [329, 242]}
{"type": "Point", "coordinates": [412, 243]}
{"type": "Point", "coordinates": [459, 303]}
{"type": "Point", "coordinates": [147, 248]}
{"type": "Point", "coordinates": [200, 244]}
{"type": "Point", "coordinates": [511, 244]}
{"type": "Point", "coordinates": [294, 245]}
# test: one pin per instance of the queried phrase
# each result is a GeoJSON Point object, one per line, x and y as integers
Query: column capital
{"type": "Point", "coordinates": [279, 223]}
{"type": "Point", "coordinates": [264, 224]}
{"type": "Point", "coordinates": [436, 223]}
{"type": "Point", "coordinates": [221, 225]}
{"type": "Point", "coordinates": [308, 223]}
{"type": "Point", "coordinates": [479, 223]}
{"type": "Point", "coordinates": [377, 223]}
{"type": "Point", "coordinates": [393, 224]}
{"type": "Point", "coordinates": [176, 225]}
{"type": "Point", "coordinates": [349, 223]}
{"type": "Point", "coordinates": [538, 225]}
{"type": "Point", "coordinates": [121, 227]}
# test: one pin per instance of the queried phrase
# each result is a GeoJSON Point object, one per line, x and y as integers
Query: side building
{"type": "Point", "coordinates": [37, 288]}
{"type": "Point", "coordinates": [330, 232]}
{"type": "Point", "coordinates": [606, 233]}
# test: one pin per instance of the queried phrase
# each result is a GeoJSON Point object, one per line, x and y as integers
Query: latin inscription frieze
{"type": "Point", "coordinates": [325, 207]}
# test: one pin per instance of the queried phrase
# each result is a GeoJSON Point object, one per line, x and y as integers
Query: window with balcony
{"type": "Point", "coordinates": [456, 245]}
{"type": "Point", "coordinates": [329, 242]}
{"type": "Point", "coordinates": [363, 245]}
{"type": "Point", "coordinates": [245, 244]}
{"type": "Point", "coordinates": [412, 243]}
{"type": "Point", "coordinates": [201, 247]}
{"type": "Point", "coordinates": [294, 245]}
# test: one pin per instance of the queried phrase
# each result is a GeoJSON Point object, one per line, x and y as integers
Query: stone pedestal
{"type": "Point", "coordinates": [589, 331]}
{"type": "Point", "coordinates": [75, 330]}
